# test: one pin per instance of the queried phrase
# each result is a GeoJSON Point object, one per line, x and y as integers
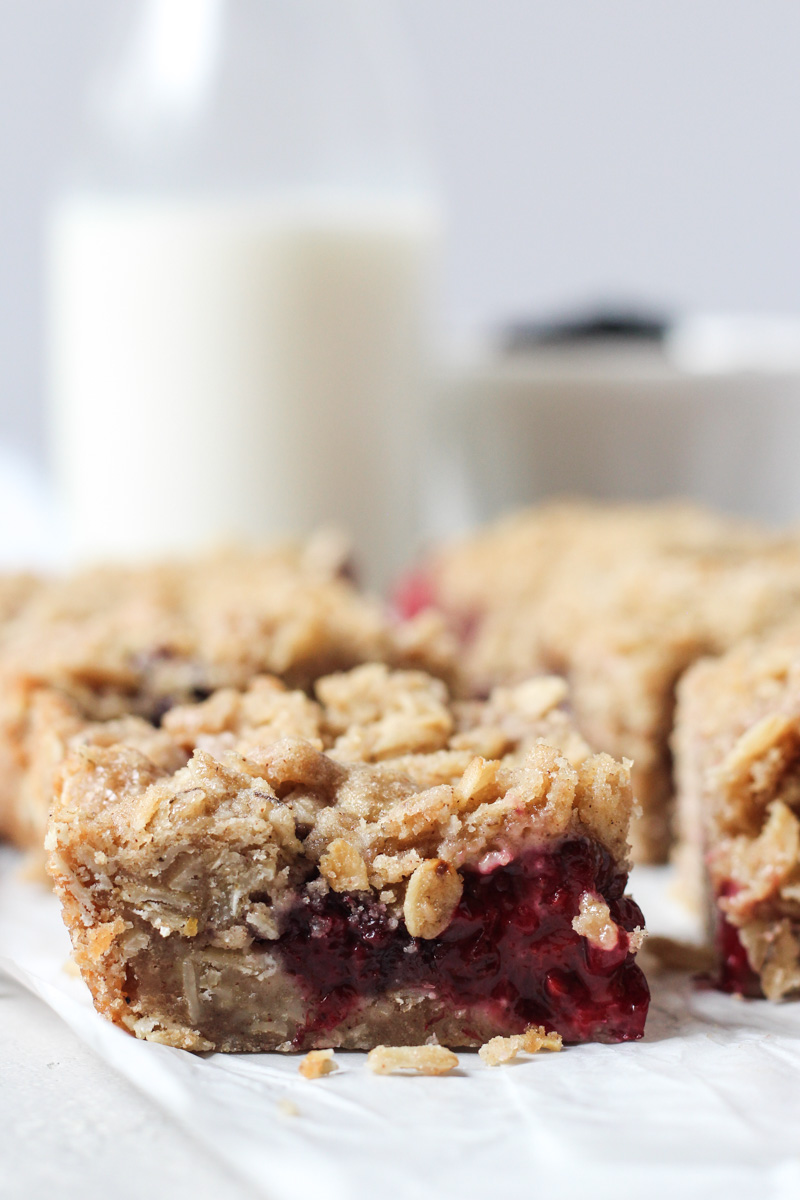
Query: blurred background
{"type": "Point", "coordinates": [618, 154]}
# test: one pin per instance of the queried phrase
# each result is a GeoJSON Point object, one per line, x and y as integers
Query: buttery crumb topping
{"type": "Point", "coordinates": [114, 642]}
{"type": "Point", "coordinates": [621, 599]}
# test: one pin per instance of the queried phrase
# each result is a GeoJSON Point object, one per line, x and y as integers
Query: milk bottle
{"type": "Point", "coordinates": [239, 331]}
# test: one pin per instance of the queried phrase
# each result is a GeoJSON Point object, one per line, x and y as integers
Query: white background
{"type": "Point", "coordinates": [587, 149]}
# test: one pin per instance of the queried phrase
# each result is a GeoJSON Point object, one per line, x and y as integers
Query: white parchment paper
{"type": "Point", "coordinates": [707, 1105]}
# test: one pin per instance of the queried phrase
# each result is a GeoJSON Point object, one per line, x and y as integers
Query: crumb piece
{"type": "Point", "coordinates": [190, 927]}
{"type": "Point", "coordinates": [287, 1107]}
{"type": "Point", "coordinates": [503, 1049]}
{"type": "Point", "coordinates": [636, 939]}
{"type": "Point", "coordinates": [594, 922]}
{"type": "Point", "coordinates": [344, 868]}
{"type": "Point", "coordinates": [421, 1060]}
{"type": "Point", "coordinates": [432, 897]}
{"type": "Point", "coordinates": [316, 1064]}
{"type": "Point", "coordinates": [71, 968]}
{"type": "Point", "coordinates": [537, 1038]}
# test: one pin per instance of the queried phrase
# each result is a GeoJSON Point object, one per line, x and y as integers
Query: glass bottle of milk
{"type": "Point", "coordinates": [240, 286]}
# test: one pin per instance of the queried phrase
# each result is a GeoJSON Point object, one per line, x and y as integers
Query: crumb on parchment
{"type": "Point", "coordinates": [316, 1064]}
{"type": "Point", "coordinates": [420, 1060]}
{"type": "Point", "coordinates": [503, 1049]}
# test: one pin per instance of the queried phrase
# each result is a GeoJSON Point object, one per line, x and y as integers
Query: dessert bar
{"type": "Point", "coordinates": [620, 600]}
{"type": "Point", "coordinates": [381, 865]}
{"type": "Point", "coordinates": [737, 746]}
{"type": "Point", "coordinates": [116, 642]}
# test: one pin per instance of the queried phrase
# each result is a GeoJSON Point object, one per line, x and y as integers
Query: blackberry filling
{"type": "Point", "coordinates": [510, 951]}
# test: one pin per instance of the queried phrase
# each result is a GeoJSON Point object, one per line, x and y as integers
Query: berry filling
{"type": "Point", "coordinates": [735, 973]}
{"type": "Point", "coordinates": [509, 954]}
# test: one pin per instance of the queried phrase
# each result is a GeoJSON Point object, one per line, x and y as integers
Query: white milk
{"type": "Point", "coordinates": [227, 370]}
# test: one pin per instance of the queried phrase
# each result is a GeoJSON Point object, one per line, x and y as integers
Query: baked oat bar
{"type": "Point", "coordinates": [122, 641]}
{"type": "Point", "coordinates": [381, 865]}
{"type": "Point", "coordinates": [620, 600]}
{"type": "Point", "coordinates": [737, 746]}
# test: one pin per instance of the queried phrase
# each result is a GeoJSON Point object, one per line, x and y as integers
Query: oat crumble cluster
{"type": "Point", "coordinates": [379, 864]}
{"type": "Point", "coordinates": [620, 600]}
{"type": "Point", "coordinates": [737, 746]}
{"type": "Point", "coordinates": [125, 644]}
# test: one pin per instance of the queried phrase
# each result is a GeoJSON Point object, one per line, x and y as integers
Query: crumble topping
{"type": "Point", "coordinates": [500, 1050]}
{"type": "Point", "coordinates": [416, 1060]}
{"type": "Point", "coordinates": [403, 717]}
{"type": "Point", "coordinates": [371, 714]}
{"type": "Point", "coordinates": [291, 762]}
{"type": "Point", "coordinates": [372, 825]}
{"type": "Point", "coordinates": [761, 866]}
{"type": "Point", "coordinates": [316, 1064]}
{"type": "Point", "coordinates": [120, 641]}
{"type": "Point", "coordinates": [620, 599]}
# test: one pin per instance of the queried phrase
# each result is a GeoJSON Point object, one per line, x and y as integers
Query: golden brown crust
{"type": "Point", "coordinates": [620, 600]}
